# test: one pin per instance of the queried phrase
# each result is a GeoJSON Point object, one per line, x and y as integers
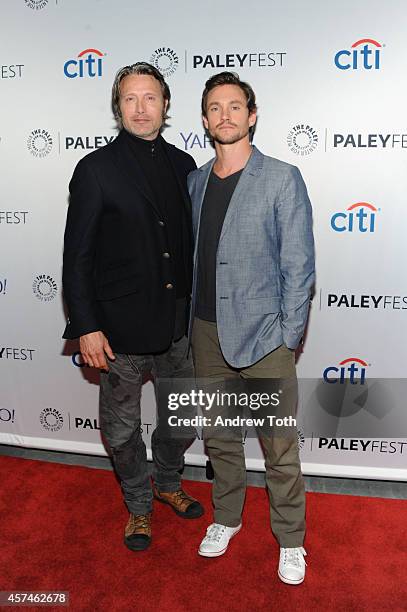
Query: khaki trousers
{"type": "Point", "coordinates": [283, 469]}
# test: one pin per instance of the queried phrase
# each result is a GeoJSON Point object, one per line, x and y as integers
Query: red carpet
{"type": "Point", "coordinates": [61, 528]}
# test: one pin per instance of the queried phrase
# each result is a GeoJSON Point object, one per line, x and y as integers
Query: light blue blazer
{"type": "Point", "coordinates": [265, 266]}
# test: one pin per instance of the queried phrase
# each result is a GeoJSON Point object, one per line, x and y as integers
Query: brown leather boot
{"type": "Point", "coordinates": [137, 534]}
{"type": "Point", "coordinates": [182, 504]}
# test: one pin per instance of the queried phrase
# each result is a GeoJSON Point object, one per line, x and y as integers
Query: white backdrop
{"type": "Point", "coordinates": [331, 85]}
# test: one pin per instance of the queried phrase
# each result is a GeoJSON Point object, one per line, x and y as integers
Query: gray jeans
{"type": "Point", "coordinates": [120, 423]}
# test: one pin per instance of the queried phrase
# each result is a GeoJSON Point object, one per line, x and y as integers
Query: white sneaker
{"type": "Point", "coordinates": [291, 568]}
{"type": "Point", "coordinates": [217, 540]}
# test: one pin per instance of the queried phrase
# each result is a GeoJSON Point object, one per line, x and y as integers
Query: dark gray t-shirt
{"type": "Point", "coordinates": [214, 207]}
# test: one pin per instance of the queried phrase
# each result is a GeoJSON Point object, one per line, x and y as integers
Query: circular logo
{"type": "Point", "coordinates": [6, 415]}
{"type": "Point", "coordinates": [165, 60]}
{"type": "Point", "coordinates": [302, 139]}
{"type": "Point", "coordinates": [301, 439]}
{"type": "Point", "coordinates": [36, 5]}
{"type": "Point", "coordinates": [44, 287]}
{"type": "Point", "coordinates": [39, 143]}
{"type": "Point", "coordinates": [51, 419]}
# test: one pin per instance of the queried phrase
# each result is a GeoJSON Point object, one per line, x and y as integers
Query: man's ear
{"type": "Point", "coordinates": [205, 122]}
{"type": "Point", "coordinates": [252, 118]}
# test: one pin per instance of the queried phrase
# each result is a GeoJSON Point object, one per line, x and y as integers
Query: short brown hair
{"type": "Point", "coordinates": [229, 78]}
{"type": "Point", "coordinates": [138, 68]}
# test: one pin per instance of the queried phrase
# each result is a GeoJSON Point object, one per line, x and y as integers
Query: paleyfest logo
{"type": "Point", "coordinates": [39, 143]}
{"type": "Point", "coordinates": [165, 60]}
{"type": "Point", "coordinates": [302, 139]}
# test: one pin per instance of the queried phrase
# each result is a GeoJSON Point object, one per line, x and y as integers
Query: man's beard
{"type": "Point", "coordinates": [231, 139]}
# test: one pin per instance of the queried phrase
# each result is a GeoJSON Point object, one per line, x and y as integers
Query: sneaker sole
{"type": "Point", "coordinates": [288, 581]}
{"type": "Point", "coordinates": [177, 512]}
{"type": "Point", "coordinates": [218, 553]}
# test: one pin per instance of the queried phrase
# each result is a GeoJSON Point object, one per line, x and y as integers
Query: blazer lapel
{"type": "Point", "coordinates": [200, 189]}
{"type": "Point", "coordinates": [250, 172]}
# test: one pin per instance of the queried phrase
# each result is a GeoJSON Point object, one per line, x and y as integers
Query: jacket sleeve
{"type": "Point", "coordinates": [84, 213]}
{"type": "Point", "coordinates": [297, 261]}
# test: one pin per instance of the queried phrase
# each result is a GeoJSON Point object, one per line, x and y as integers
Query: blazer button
{"type": "Point", "coordinates": [166, 255]}
{"type": "Point", "coordinates": [161, 223]}
{"type": "Point", "coordinates": [169, 286]}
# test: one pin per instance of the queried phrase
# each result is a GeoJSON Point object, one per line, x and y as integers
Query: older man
{"type": "Point", "coordinates": [127, 281]}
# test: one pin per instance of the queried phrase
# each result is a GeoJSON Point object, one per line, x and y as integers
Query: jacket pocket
{"type": "Point", "coordinates": [118, 281]}
{"type": "Point", "coordinates": [263, 305]}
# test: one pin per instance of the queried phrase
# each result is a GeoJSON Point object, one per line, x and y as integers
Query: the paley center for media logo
{"type": "Point", "coordinates": [39, 143]}
{"type": "Point", "coordinates": [364, 54]}
{"type": "Point", "coordinates": [165, 60]}
{"type": "Point", "coordinates": [351, 369]}
{"type": "Point", "coordinates": [51, 419]}
{"type": "Point", "coordinates": [44, 287]}
{"type": "Point", "coordinates": [359, 217]}
{"type": "Point", "coordinates": [88, 63]}
{"type": "Point", "coordinates": [36, 5]}
{"type": "Point", "coordinates": [302, 139]}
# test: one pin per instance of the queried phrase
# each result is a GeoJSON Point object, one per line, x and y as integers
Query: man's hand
{"type": "Point", "coordinates": [93, 347]}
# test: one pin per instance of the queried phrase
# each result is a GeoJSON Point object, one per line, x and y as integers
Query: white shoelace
{"type": "Point", "coordinates": [294, 556]}
{"type": "Point", "coordinates": [215, 532]}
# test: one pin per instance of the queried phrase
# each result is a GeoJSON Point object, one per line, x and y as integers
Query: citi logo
{"type": "Point", "coordinates": [359, 217]}
{"type": "Point", "coordinates": [88, 64]}
{"type": "Point", "coordinates": [364, 53]}
{"type": "Point", "coordinates": [352, 369]}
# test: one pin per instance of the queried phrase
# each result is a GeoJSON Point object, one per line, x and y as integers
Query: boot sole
{"type": "Point", "coordinates": [136, 547]}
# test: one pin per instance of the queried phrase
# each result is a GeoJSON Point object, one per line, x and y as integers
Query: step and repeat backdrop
{"type": "Point", "coordinates": [330, 80]}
